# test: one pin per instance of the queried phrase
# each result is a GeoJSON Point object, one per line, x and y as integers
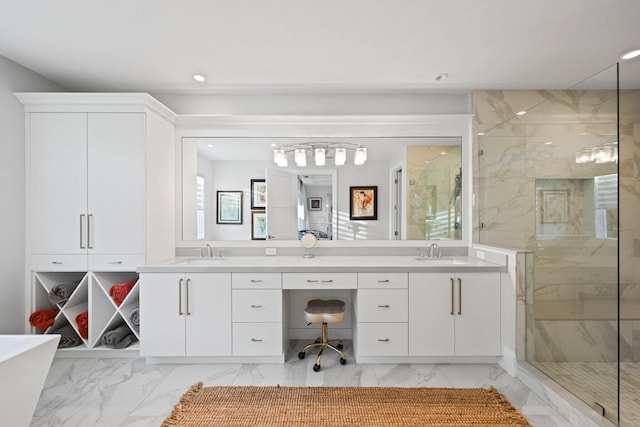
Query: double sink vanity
{"type": "Point", "coordinates": [247, 308]}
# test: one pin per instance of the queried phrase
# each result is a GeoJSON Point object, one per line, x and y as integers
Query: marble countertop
{"type": "Point", "coordinates": [298, 264]}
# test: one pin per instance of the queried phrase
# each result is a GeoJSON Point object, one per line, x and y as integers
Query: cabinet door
{"type": "Point", "coordinates": [116, 168]}
{"type": "Point", "coordinates": [431, 322]}
{"type": "Point", "coordinates": [478, 314]}
{"type": "Point", "coordinates": [208, 314]}
{"type": "Point", "coordinates": [58, 183]}
{"type": "Point", "coordinates": [162, 319]}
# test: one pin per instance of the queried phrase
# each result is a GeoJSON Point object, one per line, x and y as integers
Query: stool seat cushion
{"type": "Point", "coordinates": [319, 310]}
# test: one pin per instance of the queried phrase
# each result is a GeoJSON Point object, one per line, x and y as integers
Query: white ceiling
{"type": "Point", "coordinates": [312, 46]}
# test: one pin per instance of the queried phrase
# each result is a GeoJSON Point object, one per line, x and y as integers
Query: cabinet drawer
{"type": "Point", "coordinates": [383, 305]}
{"type": "Point", "coordinates": [127, 262]}
{"type": "Point", "coordinates": [257, 305]}
{"type": "Point", "coordinates": [256, 280]}
{"type": "Point", "coordinates": [319, 280]}
{"type": "Point", "coordinates": [383, 339]}
{"type": "Point", "coordinates": [257, 339]}
{"type": "Point", "coordinates": [59, 262]}
{"type": "Point", "coordinates": [383, 280]}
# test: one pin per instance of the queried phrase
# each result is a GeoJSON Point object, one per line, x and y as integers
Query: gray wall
{"type": "Point", "coordinates": [14, 78]}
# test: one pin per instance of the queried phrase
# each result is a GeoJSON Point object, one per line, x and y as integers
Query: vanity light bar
{"type": "Point", "coordinates": [320, 152]}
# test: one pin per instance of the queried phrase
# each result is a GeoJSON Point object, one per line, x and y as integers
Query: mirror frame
{"type": "Point", "coordinates": [342, 126]}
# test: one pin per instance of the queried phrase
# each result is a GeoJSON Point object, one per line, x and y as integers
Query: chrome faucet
{"type": "Point", "coordinates": [432, 250]}
{"type": "Point", "coordinates": [206, 249]}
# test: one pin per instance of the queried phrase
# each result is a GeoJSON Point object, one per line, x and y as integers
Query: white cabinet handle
{"type": "Point", "coordinates": [383, 339]}
{"type": "Point", "coordinates": [180, 313]}
{"type": "Point", "coordinates": [188, 312]}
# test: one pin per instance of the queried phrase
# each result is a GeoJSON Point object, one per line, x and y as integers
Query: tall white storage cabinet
{"type": "Point", "coordinates": [100, 199]}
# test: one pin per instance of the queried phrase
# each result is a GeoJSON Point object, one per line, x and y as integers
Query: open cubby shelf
{"type": "Point", "coordinates": [91, 295]}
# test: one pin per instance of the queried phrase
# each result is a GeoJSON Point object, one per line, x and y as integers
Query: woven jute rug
{"type": "Point", "coordinates": [343, 406]}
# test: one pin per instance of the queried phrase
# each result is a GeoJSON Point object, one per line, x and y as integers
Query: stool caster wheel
{"type": "Point", "coordinates": [301, 355]}
{"type": "Point", "coordinates": [343, 361]}
{"type": "Point", "coordinates": [316, 367]}
{"type": "Point", "coordinates": [340, 346]}
{"type": "Point", "coordinates": [318, 340]}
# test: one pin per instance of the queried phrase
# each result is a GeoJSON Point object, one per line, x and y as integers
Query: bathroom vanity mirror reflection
{"type": "Point", "coordinates": [418, 180]}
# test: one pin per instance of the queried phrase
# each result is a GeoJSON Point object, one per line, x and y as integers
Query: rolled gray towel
{"type": "Point", "coordinates": [60, 293]}
{"type": "Point", "coordinates": [119, 337]}
{"type": "Point", "coordinates": [68, 337]}
{"type": "Point", "coordinates": [134, 317]}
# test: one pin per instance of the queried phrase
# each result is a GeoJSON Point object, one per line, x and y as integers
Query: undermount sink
{"type": "Point", "coordinates": [200, 261]}
{"type": "Point", "coordinates": [442, 261]}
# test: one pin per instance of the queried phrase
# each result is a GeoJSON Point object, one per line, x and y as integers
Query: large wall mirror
{"type": "Point", "coordinates": [404, 188]}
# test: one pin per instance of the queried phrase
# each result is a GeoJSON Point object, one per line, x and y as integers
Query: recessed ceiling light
{"type": "Point", "coordinates": [631, 54]}
{"type": "Point", "coordinates": [548, 143]}
{"type": "Point", "coordinates": [480, 133]}
{"type": "Point", "coordinates": [199, 78]}
{"type": "Point", "coordinates": [443, 76]}
{"type": "Point", "coordinates": [209, 145]}
{"type": "Point", "coordinates": [521, 113]}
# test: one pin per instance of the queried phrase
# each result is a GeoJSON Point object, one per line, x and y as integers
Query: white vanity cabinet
{"type": "Point", "coordinates": [257, 314]}
{"type": "Point", "coordinates": [454, 314]}
{"type": "Point", "coordinates": [382, 314]}
{"type": "Point", "coordinates": [185, 314]}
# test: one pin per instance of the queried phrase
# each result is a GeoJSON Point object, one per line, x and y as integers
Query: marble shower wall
{"type": "Point", "coordinates": [573, 276]}
{"type": "Point", "coordinates": [629, 214]}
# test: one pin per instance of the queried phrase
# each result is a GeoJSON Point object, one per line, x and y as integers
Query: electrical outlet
{"type": "Point", "coordinates": [270, 251]}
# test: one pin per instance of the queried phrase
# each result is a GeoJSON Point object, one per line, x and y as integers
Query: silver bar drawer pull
{"type": "Point", "coordinates": [256, 340]}
{"type": "Point", "coordinates": [114, 262]}
{"type": "Point", "coordinates": [82, 245]}
{"type": "Point", "coordinates": [327, 281]}
{"type": "Point", "coordinates": [311, 281]}
{"type": "Point", "coordinates": [383, 281]}
{"type": "Point", "coordinates": [89, 234]}
{"type": "Point", "coordinates": [56, 263]}
{"type": "Point", "coordinates": [383, 339]}
{"type": "Point", "coordinates": [383, 306]}
{"type": "Point", "coordinates": [255, 306]}
{"type": "Point", "coordinates": [256, 281]}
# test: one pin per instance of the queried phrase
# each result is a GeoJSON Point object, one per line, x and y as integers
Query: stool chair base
{"type": "Point", "coordinates": [323, 343]}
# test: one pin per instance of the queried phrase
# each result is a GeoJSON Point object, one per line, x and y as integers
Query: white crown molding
{"type": "Point", "coordinates": [93, 102]}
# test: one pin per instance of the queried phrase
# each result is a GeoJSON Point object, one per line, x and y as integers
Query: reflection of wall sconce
{"type": "Point", "coordinates": [605, 153]}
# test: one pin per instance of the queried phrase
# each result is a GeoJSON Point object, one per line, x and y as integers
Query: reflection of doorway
{"type": "Point", "coordinates": [397, 204]}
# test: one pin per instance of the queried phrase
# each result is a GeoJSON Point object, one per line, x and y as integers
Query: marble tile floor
{"type": "Point", "coordinates": [130, 392]}
{"type": "Point", "coordinates": [598, 381]}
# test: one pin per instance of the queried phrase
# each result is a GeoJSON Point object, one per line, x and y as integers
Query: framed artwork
{"type": "Point", "coordinates": [363, 203]}
{"type": "Point", "coordinates": [258, 225]}
{"type": "Point", "coordinates": [229, 207]}
{"type": "Point", "coordinates": [314, 203]}
{"type": "Point", "coordinates": [554, 206]}
{"type": "Point", "coordinates": [258, 194]}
